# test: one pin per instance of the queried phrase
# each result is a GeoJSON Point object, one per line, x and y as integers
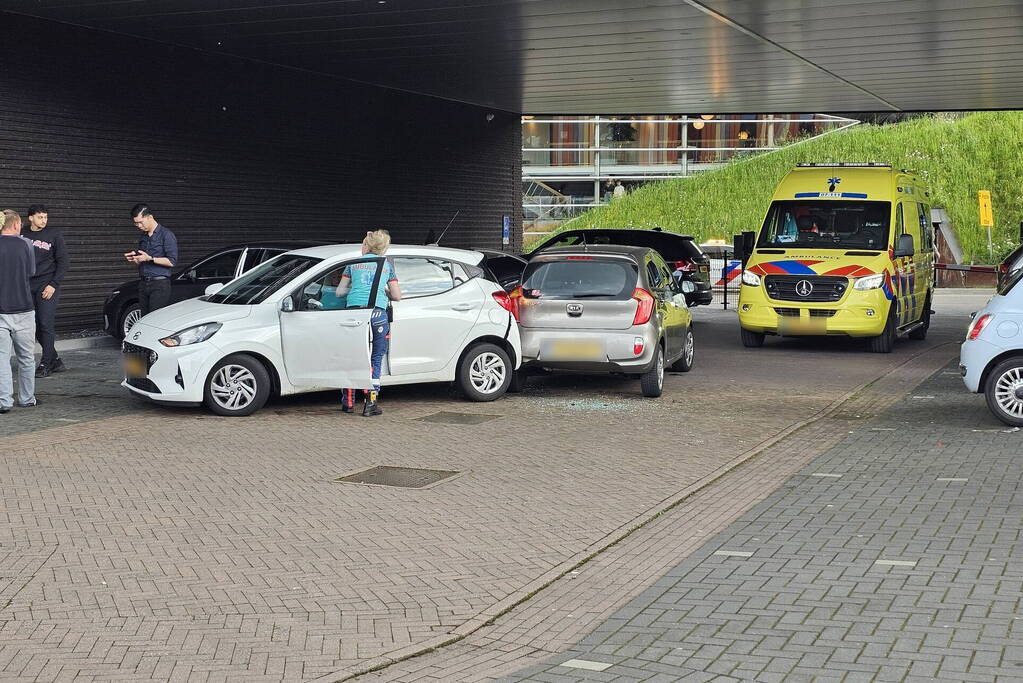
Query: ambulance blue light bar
{"type": "Point", "coordinates": [868, 164]}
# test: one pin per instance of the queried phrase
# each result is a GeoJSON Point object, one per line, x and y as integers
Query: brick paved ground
{"type": "Point", "coordinates": [895, 556]}
{"type": "Point", "coordinates": [169, 544]}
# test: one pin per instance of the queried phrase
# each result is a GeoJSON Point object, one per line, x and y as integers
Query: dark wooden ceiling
{"type": "Point", "coordinates": [612, 56]}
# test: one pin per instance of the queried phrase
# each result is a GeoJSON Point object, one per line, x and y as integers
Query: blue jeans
{"type": "Point", "coordinates": [379, 341]}
{"type": "Point", "coordinates": [18, 335]}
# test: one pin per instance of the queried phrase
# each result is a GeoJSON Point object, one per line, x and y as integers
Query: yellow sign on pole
{"type": "Point", "coordinates": [987, 215]}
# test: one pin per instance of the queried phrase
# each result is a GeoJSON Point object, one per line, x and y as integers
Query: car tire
{"type": "Point", "coordinates": [237, 386]}
{"type": "Point", "coordinates": [652, 381]}
{"type": "Point", "coordinates": [484, 373]}
{"type": "Point", "coordinates": [920, 333]}
{"type": "Point", "coordinates": [517, 382]}
{"type": "Point", "coordinates": [1003, 390]}
{"type": "Point", "coordinates": [132, 312]}
{"type": "Point", "coordinates": [751, 340]}
{"type": "Point", "coordinates": [885, 342]}
{"type": "Point", "coordinates": [685, 363]}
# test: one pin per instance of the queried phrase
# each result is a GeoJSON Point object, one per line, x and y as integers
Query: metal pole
{"type": "Point", "coordinates": [685, 146]}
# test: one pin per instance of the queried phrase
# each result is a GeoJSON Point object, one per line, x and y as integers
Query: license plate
{"type": "Point", "coordinates": [564, 349]}
{"type": "Point", "coordinates": [792, 326]}
{"type": "Point", "coordinates": [134, 365]}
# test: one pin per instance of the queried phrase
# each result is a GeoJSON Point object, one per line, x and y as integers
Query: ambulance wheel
{"type": "Point", "coordinates": [920, 333]}
{"type": "Point", "coordinates": [751, 340]}
{"type": "Point", "coordinates": [1004, 391]}
{"type": "Point", "coordinates": [885, 342]}
{"type": "Point", "coordinates": [685, 363]}
{"type": "Point", "coordinates": [651, 382]}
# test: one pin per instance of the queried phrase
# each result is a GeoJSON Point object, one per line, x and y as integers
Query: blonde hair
{"type": "Point", "coordinates": [377, 241]}
{"type": "Point", "coordinates": [11, 219]}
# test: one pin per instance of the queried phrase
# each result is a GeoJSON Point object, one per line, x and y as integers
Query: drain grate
{"type": "Point", "coordinates": [404, 477]}
{"type": "Point", "coordinates": [458, 418]}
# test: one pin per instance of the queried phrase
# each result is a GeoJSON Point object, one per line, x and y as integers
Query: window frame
{"type": "Point", "coordinates": [468, 276]}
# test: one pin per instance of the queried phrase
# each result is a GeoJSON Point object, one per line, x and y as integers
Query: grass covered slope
{"type": "Point", "coordinates": [957, 156]}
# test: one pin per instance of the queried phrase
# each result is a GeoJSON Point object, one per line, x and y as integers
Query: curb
{"type": "Point", "coordinates": [97, 342]}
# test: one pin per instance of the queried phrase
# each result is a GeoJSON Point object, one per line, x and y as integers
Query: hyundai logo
{"type": "Point", "coordinates": [574, 309]}
{"type": "Point", "coordinates": [804, 288]}
{"type": "Point", "coordinates": [136, 336]}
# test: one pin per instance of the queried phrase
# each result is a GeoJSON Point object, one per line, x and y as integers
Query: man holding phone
{"type": "Point", "coordinates": [156, 255]}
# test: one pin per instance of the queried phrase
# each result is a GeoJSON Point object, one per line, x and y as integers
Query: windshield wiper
{"type": "Point", "coordinates": [585, 295]}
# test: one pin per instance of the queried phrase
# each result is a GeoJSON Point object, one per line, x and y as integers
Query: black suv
{"type": "Point", "coordinates": [121, 309]}
{"type": "Point", "coordinates": [681, 252]}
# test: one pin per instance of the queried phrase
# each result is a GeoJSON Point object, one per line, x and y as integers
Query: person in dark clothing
{"type": "Point", "coordinates": [17, 319]}
{"type": "Point", "coordinates": [51, 265]}
{"type": "Point", "coordinates": [156, 255]}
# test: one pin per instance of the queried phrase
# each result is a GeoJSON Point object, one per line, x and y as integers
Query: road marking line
{"type": "Point", "coordinates": [923, 397]}
{"type": "Point", "coordinates": [826, 474]}
{"type": "Point", "coordinates": [586, 664]}
{"type": "Point", "coordinates": [951, 479]}
{"type": "Point", "coordinates": [896, 563]}
{"type": "Point", "coordinates": [882, 429]}
{"type": "Point", "coordinates": [732, 553]}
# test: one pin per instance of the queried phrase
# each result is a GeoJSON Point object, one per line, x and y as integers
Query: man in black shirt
{"type": "Point", "coordinates": [156, 255]}
{"type": "Point", "coordinates": [17, 319]}
{"type": "Point", "coordinates": [51, 265]}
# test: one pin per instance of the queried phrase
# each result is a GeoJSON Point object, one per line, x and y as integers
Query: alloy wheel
{"type": "Point", "coordinates": [130, 319]}
{"type": "Point", "coordinates": [1009, 392]}
{"type": "Point", "coordinates": [233, 387]}
{"type": "Point", "coordinates": [487, 372]}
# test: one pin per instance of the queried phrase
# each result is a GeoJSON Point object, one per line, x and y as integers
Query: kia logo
{"type": "Point", "coordinates": [137, 335]}
{"type": "Point", "coordinates": [574, 309]}
{"type": "Point", "coordinates": [804, 288]}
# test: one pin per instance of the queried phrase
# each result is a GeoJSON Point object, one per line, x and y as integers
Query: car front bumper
{"type": "Point", "coordinates": [858, 314]}
{"type": "Point", "coordinates": [176, 374]}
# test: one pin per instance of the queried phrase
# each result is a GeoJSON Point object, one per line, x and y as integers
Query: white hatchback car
{"type": "Point", "coordinates": [991, 358]}
{"type": "Point", "coordinates": [282, 329]}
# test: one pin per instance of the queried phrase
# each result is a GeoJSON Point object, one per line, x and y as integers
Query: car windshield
{"type": "Point", "coordinates": [826, 225]}
{"type": "Point", "coordinates": [580, 279]}
{"type": "Point", "coordinates": [1010, 281]}
{"type": "Point", "coordinates": [260, 282]}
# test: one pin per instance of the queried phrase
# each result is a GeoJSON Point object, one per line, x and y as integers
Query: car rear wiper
{"type": "Point", "coordinates": [585, 295]}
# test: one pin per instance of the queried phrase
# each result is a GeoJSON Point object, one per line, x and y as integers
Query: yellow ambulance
{"type": "Point", "coordinates": [845, 249]}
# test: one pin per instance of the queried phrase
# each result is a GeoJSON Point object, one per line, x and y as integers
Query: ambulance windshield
{"type": "Point", "coordinates": [831, 224]}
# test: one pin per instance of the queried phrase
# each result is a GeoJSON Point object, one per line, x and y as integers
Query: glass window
{"type": "Point", "coordinates": [426, 276]}
{"type": "Point", "coordinates": [926, 228]}
{"type": "Point", "coordinates": [577, 279]}
{"type": "Point", "coordinates": [654, 275]}
{"type": "Point", "coordinates": [1011, 281]}
{"type": "Point", "coordinates": [900, 224]}
{"type": "Point", "coordinates": [826, 224]}
{"type": "Point", "coordinates": [321, 294]}
{"type": "Point", "coordinates": [259, 283]}
{"type": "Point", "coordinates": [219, 267]}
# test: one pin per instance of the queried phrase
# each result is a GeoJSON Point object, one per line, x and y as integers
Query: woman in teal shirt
{"type": "Point", "coordinates": [357, 284]}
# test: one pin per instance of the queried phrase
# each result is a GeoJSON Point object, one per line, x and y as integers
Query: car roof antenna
{"type": "Point", "coordinates": [443, 232]}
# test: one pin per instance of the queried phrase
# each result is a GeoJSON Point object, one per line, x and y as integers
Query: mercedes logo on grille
{"type": "Point", "coordinates": [804, 288]}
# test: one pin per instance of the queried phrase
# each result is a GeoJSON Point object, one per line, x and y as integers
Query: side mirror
{"type": "Point", "coordinates": [905, 246]}
{"type": "Point", "coordinates": [214, 288]}
{"type": "Point", "coordinates": [688, 286]}
{"type": "Point", "coordinates": [191, 276]}
{"type": "Point", "coordinates": [288, 305]}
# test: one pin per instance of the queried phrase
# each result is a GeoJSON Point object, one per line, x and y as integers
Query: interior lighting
{"type": "Point", "coordinates": [706, 117]}
{"type": "Point", "coordinates": [698, 125]}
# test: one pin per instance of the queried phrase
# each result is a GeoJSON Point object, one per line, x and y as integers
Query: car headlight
{"type": "Point", "coordinates": [751, 279]}
{"type": "Point", "coordinates": [192, 335]}
{"type": "Point", "coordinates": [869, 282]}
{"type": "Point", "coordinates": [110, 297]}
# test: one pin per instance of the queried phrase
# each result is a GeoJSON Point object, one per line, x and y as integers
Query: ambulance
{"type": "Point", "coordinates": [845, 250]}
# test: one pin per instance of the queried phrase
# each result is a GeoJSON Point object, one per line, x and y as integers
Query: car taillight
{"type": "Point", "coordinates": [645, 308]}
{"type": "Point", "coordinates": [682, 265]}
{"type": "Point", "coordinates": [978, 325]}
{"type": "Point", "coordinates": [510, 302]}
{"type": "Point", "coordinates": [580, 258]}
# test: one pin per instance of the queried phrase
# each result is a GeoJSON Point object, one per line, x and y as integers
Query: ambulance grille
{"type": "Point", "coordinates": [824, 288]}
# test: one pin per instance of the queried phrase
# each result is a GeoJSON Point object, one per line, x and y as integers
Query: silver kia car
{"type": "Point", "coordinates": [603, 309]}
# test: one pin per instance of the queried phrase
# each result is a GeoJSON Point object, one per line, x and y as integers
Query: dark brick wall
{"type": "Point", "coordinates": [227, 151]}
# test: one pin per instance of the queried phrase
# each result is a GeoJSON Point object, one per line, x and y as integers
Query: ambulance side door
{"type": "Point", "coordinates": [925, 258]}
{"type": "Point", "coordinates": [914, 267]}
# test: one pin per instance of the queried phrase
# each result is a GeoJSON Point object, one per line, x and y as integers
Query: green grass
{"type": "Point", "coordinates": [958, 155]}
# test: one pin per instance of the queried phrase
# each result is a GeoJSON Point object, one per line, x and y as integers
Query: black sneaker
{"type": "Point", "coordinates": [347, 409]}
{"type": "Point", "coordinates": [58, 366]}
{"type": "Point", "coordinates": [371, 410]}
{"type": "Point", "coordinates": [4, 411]}
{"type": "Point", "coordinates": [43, 370]}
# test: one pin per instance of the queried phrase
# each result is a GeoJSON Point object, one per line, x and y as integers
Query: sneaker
{"type": "Point", "coordinates": [29, 405]}
{"type": "Point", "coordinates": [4, 411]}
{"type": "Point", "coordinates": [371, 410]}
{"type": "Point", "coordinates": [43, 370]}
{"type": "Point", "coordinates": [347, 409]}
{"type": "Point", "coordinates": [58, 366]}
